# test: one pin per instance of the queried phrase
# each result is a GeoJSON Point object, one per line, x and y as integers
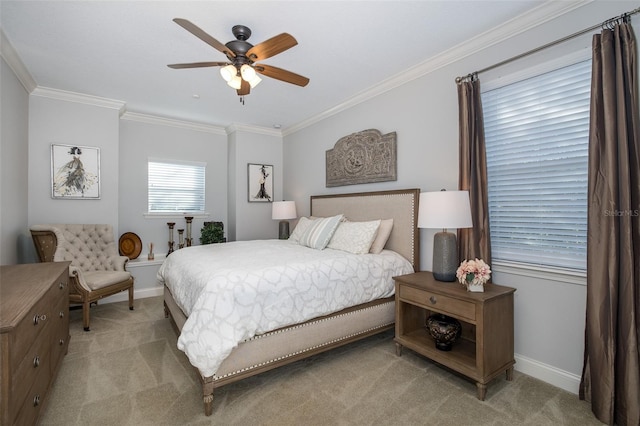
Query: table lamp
{"type": "Point", "coordinates": [445, 209]}
{"type": "Point", "coordinates": [283, 210]}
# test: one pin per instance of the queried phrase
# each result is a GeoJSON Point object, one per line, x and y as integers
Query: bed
{"type": "Point", "coordinates": [261, 347]}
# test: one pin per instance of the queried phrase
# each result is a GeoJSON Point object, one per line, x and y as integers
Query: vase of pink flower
{"type": "Point", "coordinates": [473, 274]}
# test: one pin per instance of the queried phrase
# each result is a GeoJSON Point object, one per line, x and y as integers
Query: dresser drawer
{"type": "Point", "coordinates": [40, 315]}
{"type": "Point", "coordinates": [442, 303]}
{"type": "Point", "coordinates": [60, 331]}
{"type": "Point", "coordinates": [37, 362]}
{"type": "Point", "coordinates": [27, 411]}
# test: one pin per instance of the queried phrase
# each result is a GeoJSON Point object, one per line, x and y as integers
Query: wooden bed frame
{"type": "Point", "coordinates": [293, 343]}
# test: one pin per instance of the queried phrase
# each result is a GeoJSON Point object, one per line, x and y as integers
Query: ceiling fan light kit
{"type": "Point", "coordinates": [241, 70]}
{"type": "Point", "coordinates": [228, 72]}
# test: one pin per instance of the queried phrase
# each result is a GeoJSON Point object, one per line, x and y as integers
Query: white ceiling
{"type": "Point", "coordinates": [120, 50]}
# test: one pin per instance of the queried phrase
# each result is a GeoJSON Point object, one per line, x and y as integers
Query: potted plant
{"type": "Point", "coordinates": [212, 232]}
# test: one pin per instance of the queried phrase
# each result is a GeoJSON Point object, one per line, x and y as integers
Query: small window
{"type": "Point", "coordinates": [176, 187]}
{"type": "Point", "coordinates": [537, 136]}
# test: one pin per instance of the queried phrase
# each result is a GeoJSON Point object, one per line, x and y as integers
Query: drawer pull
{"type": "Point", "coordinates": [36, 400]}
{"type": "Point", "coordinates": [61, 342]}
{"type": "Point", "coordinates": [433, 300]}
{"type": "Point", "coordinates": [61, 314]}
{"type": "Point", "coordinates": [61, 285]}
{"type": "Point", "coordinates": [37, 318]}
{"type": "Point", "coordinates": [36, 361]}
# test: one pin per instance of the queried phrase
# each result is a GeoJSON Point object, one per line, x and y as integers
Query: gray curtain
{"type": "Point", "coordinates": [611, 372]}
{"type": "Point", "coordinates": [473, 242]}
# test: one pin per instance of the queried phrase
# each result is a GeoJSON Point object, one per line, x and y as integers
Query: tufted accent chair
{"type": "Point", "coordinates": [96, 270]}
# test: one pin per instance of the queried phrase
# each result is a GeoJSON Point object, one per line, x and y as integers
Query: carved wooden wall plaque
{"type": "Point", "coordinates": [363, 157]}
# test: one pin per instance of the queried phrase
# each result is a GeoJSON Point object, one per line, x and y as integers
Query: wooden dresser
{"type": "Point", "coordinates": [34, 326]}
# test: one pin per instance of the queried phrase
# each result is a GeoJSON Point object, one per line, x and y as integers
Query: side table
{"type": "Point", "coordinates": [485, 348]}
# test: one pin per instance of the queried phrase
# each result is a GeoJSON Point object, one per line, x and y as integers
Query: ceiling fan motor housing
{"type": "Point", "coordinates": [240, 46]}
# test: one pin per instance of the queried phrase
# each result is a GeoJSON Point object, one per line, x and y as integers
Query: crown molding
{"type": "Point", "coordinates": [172, 122]}
{"type": "Point", "coordinates": [64, 95]}
{"type": "Point", "coordinates": [15, 63]}
{"type": "Point", "coordinates": [544, 13]}
{"type": "Point", "coordinates": [237, 127]}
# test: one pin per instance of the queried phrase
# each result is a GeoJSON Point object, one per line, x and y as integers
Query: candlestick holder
{"type": "Point", "coordinates": [180, 238]}
{"type": "Point", "coordinates": [189, 240]}
{"type": "Point", "coordinates": [170, 225]}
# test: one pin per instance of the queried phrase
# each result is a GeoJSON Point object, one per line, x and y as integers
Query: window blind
{"type": "Point", "coordinates": [176, 187]}
{"type": "Point", "coordinates": [536, 133]}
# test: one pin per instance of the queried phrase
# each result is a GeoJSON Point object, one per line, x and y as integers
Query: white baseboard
{"type": "Point", "coordinates": [548, 373]}
{"type": "Point", "coordinates": [143, 293]}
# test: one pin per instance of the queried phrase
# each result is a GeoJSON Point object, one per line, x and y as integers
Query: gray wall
{"type": "Point", "coordinates": [549, 314]}
{"type": "Point", "coordinates": [57, 121]}
{"type": "Point", "coordinates": [14, 168]}
{"type": "Point", "coordinates": [141, 139]}
{"type": "Point", "coordinates": [252, 220]}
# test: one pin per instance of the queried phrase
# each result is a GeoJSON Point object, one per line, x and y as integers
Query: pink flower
{"type": "Point", "coordinates": [473, 272]}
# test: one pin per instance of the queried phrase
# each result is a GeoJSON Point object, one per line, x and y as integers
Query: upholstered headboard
{"type": "Point", "coordinates": [400, 205]}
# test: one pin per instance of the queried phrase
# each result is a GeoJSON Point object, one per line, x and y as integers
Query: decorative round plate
{"type": "Point", "coordinates": [130, 245]}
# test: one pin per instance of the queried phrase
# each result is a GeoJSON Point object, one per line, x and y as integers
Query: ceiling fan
{"type": "Point", "coordinates": [240, 68]}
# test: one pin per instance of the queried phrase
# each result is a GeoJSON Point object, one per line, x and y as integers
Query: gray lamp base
{"type": "Point", "coordinates": [445, 256]}
{"type": "Point", "coordinates": [284, 230]}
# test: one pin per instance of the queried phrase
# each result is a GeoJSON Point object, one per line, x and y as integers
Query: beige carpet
{"type": "Point", "coordinates": [127, 371]}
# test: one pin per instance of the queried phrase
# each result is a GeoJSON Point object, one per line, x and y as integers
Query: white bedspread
{"type": "Point", "coordinates": [233, 291]}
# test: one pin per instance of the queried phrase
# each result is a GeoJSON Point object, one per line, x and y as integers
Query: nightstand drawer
{"type": "Point", "coordinates": [444, 304]}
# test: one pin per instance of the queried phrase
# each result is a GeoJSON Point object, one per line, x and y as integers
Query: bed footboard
{"type": "Point", "coordinates": [289, 344]}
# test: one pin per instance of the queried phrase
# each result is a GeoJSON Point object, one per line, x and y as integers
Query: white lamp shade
{"type": "Point", "coordinates": [228, 72]}
{"type": "Point", "coordinates": [283, 210]}
{"type": "Point", "coordinates": [247, 72]}
{"type": "Point", "coordinates": [235, 82]}
{"type": "Point", "coordinates": [254, 81]}
{"type": "Point", "coordinates": [445, 209]}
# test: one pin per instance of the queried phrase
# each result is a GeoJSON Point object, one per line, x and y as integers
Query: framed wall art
{"type": "Point", "coordinates": [75, 172]}
{"type": "Point", "coordinates": [260, 183]}
{"type": "Point", "coordinates": [363, 157]}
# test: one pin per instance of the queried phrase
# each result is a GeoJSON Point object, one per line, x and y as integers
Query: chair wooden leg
{"type": "Point", "coordinates": [131, 298]}
{"type": "Point", "coordinates": [85, 315]}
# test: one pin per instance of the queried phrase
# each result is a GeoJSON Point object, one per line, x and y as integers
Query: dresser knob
{"type": "Point", "coordinates": [61, 285]}
{"type": "Point", "coordinates": [61, 314]}
{"type": "Point", "coordinates": [36, 361]}
{"type": "Point", "coordinates": [37, 318]}
{"type": "Point", "coordinates": [36, 400]}
{"type": "Point", "coordinates": [433, 300]}
{"type": "Point", "coordinates": [61, 341]}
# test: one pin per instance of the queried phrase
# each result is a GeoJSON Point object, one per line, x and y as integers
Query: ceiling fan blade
{"type": "Point", "coordinates": [280, 74]}
{"type": "Point", "coordinates": [244, 89]}
{"type": "Point", "coordinates": [271, 47]}
{"type": "Point", "coordinates": [198, 32]}
{"type": "Point", "coordinates": [198, 65]}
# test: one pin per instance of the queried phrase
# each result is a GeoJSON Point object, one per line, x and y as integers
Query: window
{"type": "Point", "coordinates": [536, 134]}
{"type": "Point", "coordinates": [176, 187]}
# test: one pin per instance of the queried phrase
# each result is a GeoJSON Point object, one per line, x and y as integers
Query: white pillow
{"type": "Point", "coordinates": [319, 232]}
{"type": "Point", "coordinates": [301, 227]}
{"type": "Point", "coordinates": [354, 237]}
{"type": "Point", "coordinates": [386, 225]}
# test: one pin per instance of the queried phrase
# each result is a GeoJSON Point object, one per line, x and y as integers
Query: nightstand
{"type": "Point", "coordinates": [485, 348]}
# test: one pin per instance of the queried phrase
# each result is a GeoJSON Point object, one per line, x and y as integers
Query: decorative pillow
{"type": "Point", "coordinates": [386, 225]}
{"type": "Point", "coordinates": [318, 234]}
{"type": "Point", "coordinates": [301, 227]}
{"type": "Point", "coordinates": [354, 237]}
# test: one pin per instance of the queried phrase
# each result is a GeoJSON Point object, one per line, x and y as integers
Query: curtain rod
{"type": "Point", "coordinates": [606, 24]}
